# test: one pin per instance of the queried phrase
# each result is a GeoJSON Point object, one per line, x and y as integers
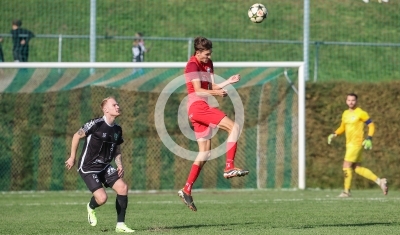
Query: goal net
{"type": "Point", "coordinates": [44, 104]}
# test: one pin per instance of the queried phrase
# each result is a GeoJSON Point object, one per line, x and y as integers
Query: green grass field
{"type": "Point", "coordinates": [219, 212]}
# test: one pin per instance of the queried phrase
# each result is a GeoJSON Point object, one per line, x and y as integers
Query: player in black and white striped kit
{"type": "Point", "coordinates": [102, 145]}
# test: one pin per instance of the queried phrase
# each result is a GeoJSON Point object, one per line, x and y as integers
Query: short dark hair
{"type": "Point", "coordinates": [202, 44]}
{"type": "Point", "coordinates": [140, 34]}
{"type": "Point", "coordinates": [17, 22]}
{"type": "Point", "coordinates": [352, 94]}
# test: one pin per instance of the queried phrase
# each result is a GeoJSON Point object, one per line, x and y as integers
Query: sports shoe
{"type": "Point", "coordinates": [366, 1]}
{"type": "Point", "coordinates": [384, 186]}
{"type": "Point", "coordinates": [122, 228]}
{"type": "Point", "coordinates": [235, 172]}
{"type": "Point", "coordinates": [91, 216]}
{"type": "Point", "coordinates": [344, 195]}
{"type": "Point", "coordinates": [187, 199]}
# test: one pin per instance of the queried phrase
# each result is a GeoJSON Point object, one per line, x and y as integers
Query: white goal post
{"type": "Point", "coordinates": [301, 87]}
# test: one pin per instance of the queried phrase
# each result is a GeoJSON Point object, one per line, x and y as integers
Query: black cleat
{"type": "Point", "coordinates": [235, 172]}
{"type": "Point", "coordinates": [187, 199]}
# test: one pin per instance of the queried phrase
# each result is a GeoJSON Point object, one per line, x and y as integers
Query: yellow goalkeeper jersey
{"type": "Point", "coordinates": [353, 124]}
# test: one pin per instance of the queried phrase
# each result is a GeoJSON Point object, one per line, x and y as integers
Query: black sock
{"type": "Point", "coordinates": [93, 204]}
{"type": "Point", "coordinates": [121, 203]}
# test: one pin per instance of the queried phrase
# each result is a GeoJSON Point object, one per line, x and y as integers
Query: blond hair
{"type": "Point", "coordinates": [105, 101]}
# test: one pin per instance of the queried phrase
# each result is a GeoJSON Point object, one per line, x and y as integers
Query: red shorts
{"type": "Point", "coordinates": [203, 118]}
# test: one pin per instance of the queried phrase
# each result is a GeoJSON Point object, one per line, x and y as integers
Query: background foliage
{"type": "Point", "coordinates": [358, 48]}
{"type": "Point", "coordinates": [325, 105]}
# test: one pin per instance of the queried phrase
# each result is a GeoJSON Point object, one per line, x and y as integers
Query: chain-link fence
{"type": "Point", "coordinates": [349, 40]}
{"type": "Point", "coordinates": [43, 108]}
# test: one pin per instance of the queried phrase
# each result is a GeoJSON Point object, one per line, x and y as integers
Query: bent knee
{"type": "Point", "coordinates": [208, 154]}
{"type": "Point", "coordinates": [101, 199]}
{"type": "Point", "coordinates": [121, 188]}
{"type": "Point", "coordinates": [235, 126]}
{"type": "Point", "coordinates": [203, 156]}
{"type": "Point", "coordinates": [124, 188]}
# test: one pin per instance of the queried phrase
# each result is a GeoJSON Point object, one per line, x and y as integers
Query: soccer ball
{"type": "Point", "coordinates": [257, 13]}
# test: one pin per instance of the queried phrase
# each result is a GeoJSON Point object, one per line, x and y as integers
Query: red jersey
{"type": "Point", "coordinates": [198, 70]}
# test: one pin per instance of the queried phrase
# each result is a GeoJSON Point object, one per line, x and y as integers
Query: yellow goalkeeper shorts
{"type": "Point", "coordinates": [353, 154]}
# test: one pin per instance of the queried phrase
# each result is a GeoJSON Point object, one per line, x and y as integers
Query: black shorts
{"type": "Point", "coordinates": [106, 177]}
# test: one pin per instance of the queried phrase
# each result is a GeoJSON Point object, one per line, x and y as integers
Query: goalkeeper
{"type": "Point", "coordinates": [353, 121]}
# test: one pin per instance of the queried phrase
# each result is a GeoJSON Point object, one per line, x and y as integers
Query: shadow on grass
{"type": "Point", "coordinates": [223, 226]}
{"type": "Point", "coordinates": [345, 225]}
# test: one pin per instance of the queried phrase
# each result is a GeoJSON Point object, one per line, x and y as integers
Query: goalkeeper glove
{"type": "Point", "coordinates": [367, 143]}
{"type": "Point", "coordinates": [330, 137]}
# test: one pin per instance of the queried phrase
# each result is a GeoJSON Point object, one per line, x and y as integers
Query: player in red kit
{"type": "Point", "coordinates": [199, 75]}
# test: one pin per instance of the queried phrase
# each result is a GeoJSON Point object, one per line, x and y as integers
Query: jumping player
{"type": "Point", "coordinates": [353, 121]}
{"type": "Point", "coordinates": [200, 84]}
{"type": "Point", "coordinates": [102, 145]}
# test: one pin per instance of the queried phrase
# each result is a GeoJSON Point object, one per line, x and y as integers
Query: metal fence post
{"type": "Point", "coordinates": [92, 33]}
{"type": "Point", "coordinates": [189, 48]}
{"type": "Point", "coordinates": [316, 55]}
{"type": "Point", "coordinates": [59, 50]}
{"type": "Point", "coordinates": [306, 37]}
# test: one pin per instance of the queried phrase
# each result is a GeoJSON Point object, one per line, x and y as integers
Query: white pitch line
{"type": "Point", "coordinates": [277, 200]}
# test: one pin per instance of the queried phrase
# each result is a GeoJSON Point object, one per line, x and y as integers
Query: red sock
{"type": "Point", "coordinates": [194, 173]}
{"type": "Point", "coordinates": [230, 155]}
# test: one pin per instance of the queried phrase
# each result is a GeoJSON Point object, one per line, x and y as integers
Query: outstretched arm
{"type": "Point", "coordinates": [74, 146]}
{"type": "Point", "coordinates": [233, 79]}
{"type": "Point", "coordinates": [338, 131]}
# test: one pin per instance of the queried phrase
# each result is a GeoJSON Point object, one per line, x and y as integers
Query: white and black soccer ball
{"type": "Point", "coordinates": [257, 13]}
